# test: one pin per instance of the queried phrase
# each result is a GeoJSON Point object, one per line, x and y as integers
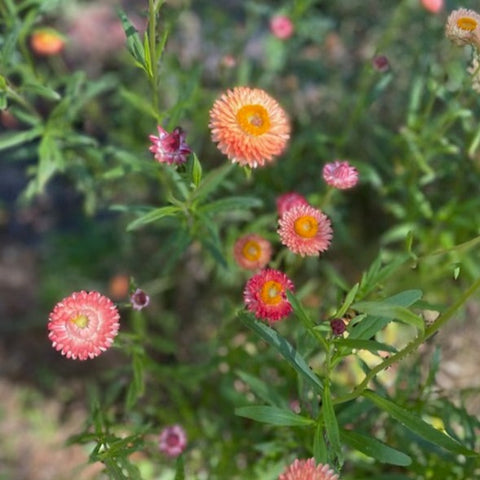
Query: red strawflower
{"type": "Point", "coordinates": [307, 470]}
{"type": "Point", "coordinates": [305, 230]}
{"type": "Point", "coordinates": [265, 295]}
{"type": "Point", "coordinates": [173, 440]}
{"type": "Point", "coordinates": [252, 251]}
{"type": "Point", "coordinates": [288, 200]}
{"type": "Point", "coordinates": [340, 175]}
{"type": "Point", "coordinates": [83, 325]}
{"type": "Point", "coordinates": [170, 147]}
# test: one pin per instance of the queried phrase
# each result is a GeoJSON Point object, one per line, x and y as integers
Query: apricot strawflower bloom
{"type": "Point", "coordinates": [281, 27]}
{"type": "Point", "coordinates": [288, 200]}
{"type": "Point", "coordinates": [250, 127]}
{"type": "Point", "coordinates": [433, 6]}
{"type": "Point", "coordinates": [83, 325]}
{"type": "Point", "coordinates": [305, 230]}
{"type": "Point", "coordinates": [340, 175]}
{"type": "Point", "coordinates": [170, 147]}
{"type": "Point", "coordinates": [139, 299]}
{"type": "Point", "coordinates": [173, 440]}
{"type": "Point", "coordinates": [307, 470]}
{"type": "Point", "coordinates": [252, 251]}
{"type": "Point", "coordinates": [463, 27]}
{"type": "Point", "coordinates": [265, 295]}
{"type": "Point", "coordinates": [47, 42]}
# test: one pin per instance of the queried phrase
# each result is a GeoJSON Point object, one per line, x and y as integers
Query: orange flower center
{"type": "Point", "coordinates": [81, 321]}
{"type": "Point", "coordinates": [271, 293]}
{"type": "Point", "coordinates": [251, 251]}
{"type": "Point", "coordinates": [253, 119]}
{"type": "Point", "coordinates": [467, 23]}
{"type": "Point", "coordinates": [306, 226]}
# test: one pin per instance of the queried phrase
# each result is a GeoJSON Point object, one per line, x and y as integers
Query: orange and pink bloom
{"type": "Point", "coordinates": [252, 251]}
{"type": "Point", "coordinates": [172, 441]}
{"type": "Point", "coordinates": [265, 295]}
{"type": "Point", "coordinates": [249, 126]}
{"type": "Point", "coordinates": [83, 325]}
{"type": "Point", "coordinates": [340, 175]}
{"type": "Point", "coordinates": [169, 148]}
{"type": "Point", "coordinates": [305, 230]}
{"type": "Point", "coordinates": [308, 470]}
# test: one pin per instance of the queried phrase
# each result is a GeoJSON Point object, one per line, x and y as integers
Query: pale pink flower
{"type": "Point", "coordinates": [288, 200]}
{"type": "Point", "coordinates": [139, 299]}
{"type": "Point", "coordinates": [172, 441]}
{"type": "Point", "coordinates": [340, 175]}
{"type": "Point", "coordinates": [170, 147]}
{"type": "Point", "coordinates": [307, 470]}
{"type": "Point", "coordinates": [305, 230]}
{"type": "Point", "coordinates": [433, 6]}
{"type": "Point", "coordinates": [252, 251]}
{"type": "Point", "coordinates": [265, 295]}
{"type": "Point", "coordinates": [281, 27]}
{"type": "Point", "coordinates": [463, 27]}
{"type": "Point", "coordinates": [83, 325]}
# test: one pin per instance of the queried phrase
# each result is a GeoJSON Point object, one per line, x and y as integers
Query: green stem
{"type": "Point", "coordinates": [152, 29]}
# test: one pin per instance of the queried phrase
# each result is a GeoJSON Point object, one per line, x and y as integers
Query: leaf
{"type": "Point", "coordinates": [12, 139]}
{"type": "Point", "coordinates": [370, 345]}
{"type": "Point", "coordinates": [153, 216]}
{"type": "Point", "coordinates": [319, 445]}
{"type": "Point", "coordinates": [331, 426]}
{"type": "Point", "coordinates": [212, 181]}
{"type": "Point", "coordinates": [375, 449]}
{"type": "Point", "coordinates": [350, 297]}
{"type": "Point", "coordinates": [179, 468]}
{"type": "Point", "coordinates": [134, 44]}
{"type": "Point", "coordinates": [393, 312]}
{"type": "Point", "coordinates": [196, 171]}
{"type": "Point", "coordinates": [273, 416]}
{"type": "Point", "coordinates": [417, 425]}
{"type": "Point", "coordinates": [283, 347]}
{"type": "Point", "coordinates": [42, 91]}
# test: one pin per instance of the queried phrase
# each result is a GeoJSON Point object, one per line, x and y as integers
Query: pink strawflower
{"type": "Point", "coordinates": [381, 64]}
{"type": "Point", "coordinates": [139, 299]}
{"type": "Point", "coordinates": [173, 440]}
{"type": "Point", "coordinates": [340, 175]}
{"type": "Point", "coordinates": [305, 230]}
{"type": "Point", "coordinates": [170, 147]}
{"type": "Point", "coordinates": [281, 27]}
{"type": "Point", "coordinates": [288, 200]}
{"type": "Point", "coordinates": [252, 251]}
{"type": "Point", "coordinates": [265, 295]}
{"type": "Point", "coordinates": [307, 470]}
{"type": "Point", "coordinates": [83, 325]}
{"type": "Point", "coordinates": [433, 6]}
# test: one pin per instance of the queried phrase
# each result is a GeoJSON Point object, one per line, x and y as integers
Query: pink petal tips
{"type": "Point", "coordinates": [170, 148]}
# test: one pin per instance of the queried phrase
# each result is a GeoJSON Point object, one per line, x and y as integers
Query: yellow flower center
{"type": "Point", "coordinates": [306, 226]}
{"type": "Point", "coordinates": [271, 293]}
{"type": "Point", "coordinates": [253, 119]}
{"type": "Point", "coordinates": [81, 321]}
{"type": "Point", "coordinates": [467, 23]}
{"type": "Point", "coordinates": [251, 251]}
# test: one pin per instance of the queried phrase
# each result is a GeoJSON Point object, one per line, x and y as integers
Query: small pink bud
{"type": "Point", "coordinates": [381, 63]}
{"type": "Point", "coordinates": [338, 326]}
{"type": "Point", "coordinates": [281, 27]}
{"type": "Point", "coordinates": [433, 6]}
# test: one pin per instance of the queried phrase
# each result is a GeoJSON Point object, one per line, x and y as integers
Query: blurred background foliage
{"type": "Point", "coordinates": [76, 172]}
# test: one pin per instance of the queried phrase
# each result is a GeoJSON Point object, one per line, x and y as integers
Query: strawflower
{"type": "Point", "coordinates": [340, 175]}
{"type": "Point", "coordinates": [463, 27]}
{"type": "Point", "coordinates": [170, 147]}
{"type": "Point", "coordinates": [252, 251]}
{"type": "Point", "coordinates": [250, 127]}
{"type": "Point", "coordinates": [288, 200]}
{"type": "Point", "coordinates": [172, 440]}
{"type": "Point", "coordinates": [307, 470]}
{"type": "Point", "coordinates": [305, 230]}
{"type": "Point", "coordinates": [281, 27]}
{"type": "Point", "coordinates": [265, 295]}
{"type": "Point", "coordinates": [139, 299]}
{"type": "Point", "coordinates": [47, 42]}
{"type": "Point", "coordinates": [380, 63]}
{"type": "Point", "coordinates": [83, 325]}
{"type": "Point", "coordinates": [433, 6]}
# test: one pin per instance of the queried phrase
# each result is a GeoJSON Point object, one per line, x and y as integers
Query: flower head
{"type": "Point", "coordinates": [47, 41]}
{"type": "Point", "coordinates": [265, 295]}
{"type": "Point", "coordinates": [433, 6]}
{"type": "Point", "coordinates": [249, 126]}
{"type": "Point", "coordinates": [340, 175]}
{"type": "Point", "coordinates": [281, 27]}
{"type": "Point", "coordinates": [83, 325]}
{"type": "Point", "coordinates": [139, 299]}
{"type": "Point", "coordinates": [170, 147]}
{"type": "Point", "coordinates": [307, 470]}
{"type": "Point", "coordinates": [252, 251]}
{"type": "Point", "coordinates": [173, 440]}
{"type": "Point", "coordinates": [463, 27]}
{"type": "Point", "coordinates": [380, 63]}
{"type": "Point", "coordinates": [338, 326]}
{"type": "Point", "coordinates": [305, 230]}
{"type": "Point", "coordinates": [288, 200]}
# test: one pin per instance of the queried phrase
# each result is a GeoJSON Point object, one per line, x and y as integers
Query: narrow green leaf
{"type": "Point", "coordinates": [273, 416]}
{"type": "Point", "coordinates": [375, 449]}
{"type": "Point", "coordinates": [348, 301]}
{"type": "Point", "coordinates": [196, 171]}
{"type": "Point", "coordinates": [41, 91]}
{"type": "Point", "coordinates": [12, 139]}
{"type": "Point", "coordinates": [331, 425]}
{"type": "Point", "coordinates": [393, 312]}
{"type": "Point", "coordinates": [212, 181]}
{"type": "Point", "coordinates": [417, 425]}
{"type": "Point", "coordinates": [319, 445]}
{"type": "Point", "coordinates": [134, 44]}
{"type": "Point", "coordinates": [283, 347]}
{"type": "Point", "coordinates": [153, 216]}
{"type": "Point", "coordinates": [370, 345]}
{"type": "Point", "coordinates": [180, 468]}
{"type": "Point", "coordinates": [51, 160]}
